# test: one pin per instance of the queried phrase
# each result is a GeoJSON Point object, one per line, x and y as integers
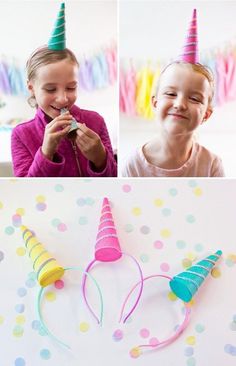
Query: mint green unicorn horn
{"type": "Point", "coordinates": [57, 42]}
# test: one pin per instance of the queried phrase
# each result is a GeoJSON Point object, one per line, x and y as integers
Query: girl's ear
{"type": "Point", "coordinates": [207, 114]}
{"type": "Point", "coordinates": [30, 87]}
{"type": "Point", "coordinates": [154, 101]}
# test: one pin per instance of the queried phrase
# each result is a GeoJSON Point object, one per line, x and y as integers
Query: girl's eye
{"type": "Point", "coordinates": [195, 99]}
{"type": "Point", "coordinates": [170, 94]}
{"type": "Point", "coordinates": [71, 89]}
{"type": "Point", "coordinates": [50, 90]}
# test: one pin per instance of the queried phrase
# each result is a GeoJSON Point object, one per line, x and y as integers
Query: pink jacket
{"type": "Point", "coordinates": [28, 160]}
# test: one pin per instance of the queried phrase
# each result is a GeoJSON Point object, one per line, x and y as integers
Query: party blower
{"type": "Point", "coordinates": [184, 285]}
{"type": "Point", "coordinates": [107, 249]}
{"type": "Point", "coordinates": [48, 270]}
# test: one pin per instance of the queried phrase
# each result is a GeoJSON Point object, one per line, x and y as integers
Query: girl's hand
{"type": "Point", "coordinates": [91, 146]}
{"type": "Point", "coordinates": [54, 132]}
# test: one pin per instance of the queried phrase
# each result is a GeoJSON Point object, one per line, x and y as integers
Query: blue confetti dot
{"type": "Point", "coordinates": [192, 183]}
{"type": "Point", "coordinates": [20, 308]}
{"type": "Point", "coordinates": [81, 202]}
{"type": "Point", "coordinates": [32, 276]}
{"type": "Point", "coordinates": [19, 361]}
{"type": "Point", "coordinates": [189, 351]}
{"type": "Point", "coordinates": [144, 258]}
{"type": "Point", "coordinates": [173, 192]}
{"type": "Point", "coordinates": [59, 188]}
{"type": "Point", "coordinates": [30, 283]}
{"type": "Point", "coordinates": [198, 247]}
{"type": "Point", "coordinates": [9, 230]}
{"type": "Point", "coordinates": [180, 244]}
{"type": "Point", "coordinates": [21, 291]}
{"type": "Point", "coordinates": [166, 211]}
{"type": "Point", "coordinates": [190, 219]}
{"type": "Point", "coordinates": [228, 348]}
{"type": "Point", "coordinates": [45, 354]}
{"type": "Point", "coordinates": [83, 220]}
{"type": "Point", "coordinates": [36, 324]}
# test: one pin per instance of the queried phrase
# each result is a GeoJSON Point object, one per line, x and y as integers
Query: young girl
{"type": "Point", "coordinates": [42, 147]}
{"type": "Point", "coordinates": [182, 103]}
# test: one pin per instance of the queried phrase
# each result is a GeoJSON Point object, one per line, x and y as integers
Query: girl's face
{"type": "Point", "coordinates": [182, 101]}
{"type": "Point", "coordinates": [55, 87]}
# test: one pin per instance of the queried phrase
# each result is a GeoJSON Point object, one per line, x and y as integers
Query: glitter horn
{"type": "Point", "coordinates": [46, 267]}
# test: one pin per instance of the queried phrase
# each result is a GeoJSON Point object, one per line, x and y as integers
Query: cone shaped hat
{"type": "Point", "coordinates": [57, 42]}
{"type": "Point", "coordinates": [189, 52]}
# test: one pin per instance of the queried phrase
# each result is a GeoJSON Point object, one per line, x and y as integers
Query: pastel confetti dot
{"type": "Point", "coordinates": [9, 230]}
{"type": "Point", "coordinates": [136, 211]}
{"type": "Point", "coordinates": [158, 244]}
{"type": "Point", "coordinates": [191, 340]}
{"type": "Point", "coordinates": [1, 320]}
{"type": "Point", "coordinates": [173, 192]}
{"type": "Point", "coordinates": [180, 244]}
{"type": "Point", "coordinates": [165, 233]}
{"type": "Point", "coordinates": [20, 308]}
{"type": "Point", "coordinates": [192, 183]}
{"type": "Point", "coordinates": [229, 262]}
{"type": "Point", "coordinates": [126, 188]}
{"type": "Point", "coordinates": [197, 191]}
{"type": "Point", "coordinates": [18, 331]}
{"type": "Point", "coordinates": [198, 247]}
{"type": "Point", "coordinates": [166, 212]}
{"type": "Point", "coordinates": [21, 291]}
{"type": "Point", "coordinates": [232, 257]}
{"type": "Point", "coordinates": [189, 351]}
{"type": "Point", "coordinates": [59, 188]}
{"type": "Point", "coordinates": [215, 272]}
{"type": "Point", "coordinates": [36, 324]}
{"type": "Point", "coordinates": [45, 354]}
{"type": "Point", "coordinates": [41, 206]}
{"type": "Point", "coordinates": [30, 283]}
{"type": "Point", "coordinates": [164, 267]}
{"type": "Point", "coordinates": [190, 219]}
{"type": "Point", "coordinates": [191, 361]}
{"type": "Point", "coordinates": [1, 205]}
{"type": "Point", "coordinates": [40, 199]}
{"type": "Point", "coordinates": [144, 333]}
{"type": "Point", "coordinates": [62, 227]}
{"type": "Point", "coordinates": [50, 296]}
{"type": "Point", "coordinates": [233, 326]}
{"type": "Point", "coordinates": [1, 256]}
{"type": "Point", "coordinates": [55, 222]}
{"type": "Point", "coordinates": [117, 335]}
{"type": "Point", "coordinates": [145, 229]}
{"type": "Point", "coordinates": [20, 319]}
{"type": "Point", "coordinates": [59, 284]}
{"type": "Point", "coordinates": [81, 202]}
{"type": "Point", "coordinates": [84, 327]}
{"type": "Point", "coordinates": [158, 202]}
{"type": "Point", "coordinates": [32, 276]}
{"type": "Point", "coordinates": [135, 352]}
{"type": "Point", "coordinates": [20, 361]}
{"type": "Point", "coordinates": [192, 256]}
{"type": "Point", "coordinates": [234, 318]}
{"type": "Point", "coordinates": [186, 263]}
{"type": "Point", "coordinates": [128, 228]}
{"type": "Point", "coordinates": [144, 258]}
{"type": "Point", "coordinates": [20, 211]}
{"type": "Point", "coordinates": [83, 220]}
{"type": "Point", "coordinates": [199, 328]}
{"type": "Point", "coordinates": [153, 342]}
{"type": "Point", "coordinates": [16, 220]}
{"type": "Point", "coordinates": [229, 348]}
{"type": "Point", "coordinates": [20, 251]}
{"type": "Point", "coordinates": [172, 296]}
{"type": "Point", "coordinates": [89, 201]}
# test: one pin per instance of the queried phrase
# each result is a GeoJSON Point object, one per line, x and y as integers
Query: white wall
{"type": "Point", "coordinates": [90, 25]}
{"type": "Point", "coordinates": [155, 30]}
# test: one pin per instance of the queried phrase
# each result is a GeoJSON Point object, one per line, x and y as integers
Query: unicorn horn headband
{"type": "Point", "coordinates": [190, 48]}
{"type": "Point", "coordinates": [107, 249]}
{"type": "Point", "coordinates": [57, 41]}
{"type": "Point", "coordinates": [48, 271]}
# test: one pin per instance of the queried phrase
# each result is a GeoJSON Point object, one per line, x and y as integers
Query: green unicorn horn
{"type": "Point", "coordinates": [57, 42]}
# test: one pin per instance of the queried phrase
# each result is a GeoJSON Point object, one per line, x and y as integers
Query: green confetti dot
{"type": "Point", "coordinates": [192, 183]}
{"type": "Point", "coordinates": [144, 258]}
{"type": "Point", "coordinates": [180, 244]}
{"type": "Point", "coordinates": [89, 201]}
{"type": "Point", "coordinates": [55, 222]}
{"type": "Point", "coordinates": [59, 188]}
{"type": "Point", "coordinates": [191, 361]}
{"type": "Point", "coordinates": [9, 230]}
{"type": "Point", "coordinates": [83, 220]}
{"type": "Point", "coordinates": [128, 228]}
{"type": "Point", "coordinates": [173, 192]}
{"type": "Point", "coordinates": [199, 328]}
{"type": "Point", "coordinates": [198, 247]}
{"type": "Point", "coordinates": [190, 219]}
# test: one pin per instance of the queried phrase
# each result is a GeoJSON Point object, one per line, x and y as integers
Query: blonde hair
{"type": "Point", "coordinates": [201, 69]}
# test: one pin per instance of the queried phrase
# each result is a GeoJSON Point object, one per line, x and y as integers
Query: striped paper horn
{"type": "Point", "coordinates": [187, 283]}
{"type": "Point", "coordinates": [107, 248]}
{"type": "Point", "coordinates": [57, 41]}
{"type": "Point", "coordinates": [190, 49]}
{"type": "Point", "coordinates": [47, 268]}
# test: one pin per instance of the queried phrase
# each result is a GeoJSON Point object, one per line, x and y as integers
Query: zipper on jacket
{"type": "Point", "coordinates": [76, 157]}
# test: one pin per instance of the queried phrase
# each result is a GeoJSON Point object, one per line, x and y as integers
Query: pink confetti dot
{"type": "Point", "coordinates": [153, 341]}
{"type": "Point", "coordinates": [126, 188]}
{"type": "Point", "coordinates": [165, 267]}
{"type": "Point", "coordinates": [62, 227]}
{"type": "Point", "coordinates": [118, 335]}
{"type": "Point", "coordinates": [158, 244]}
{"type": "Point", "coordinates": [144, 333]}
{"type": "Point", "coordinates": [59, 284]}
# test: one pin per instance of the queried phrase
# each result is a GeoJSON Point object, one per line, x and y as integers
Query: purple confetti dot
{"type": "Point", "coordinates": [41, 206]}
{"type": "Point", "coordinates": [145, 229]}
{"type": "Point", "coordinates": [117, 335]}
{"type": "Point", "coordinates": [189, 351]}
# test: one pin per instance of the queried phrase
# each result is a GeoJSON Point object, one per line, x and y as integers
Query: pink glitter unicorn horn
{"type": "Point", "coordinates": [107, 249]}
{"type": "Point", "coordinates": [190, 49]}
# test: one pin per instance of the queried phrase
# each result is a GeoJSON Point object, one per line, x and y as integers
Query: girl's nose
{"type": "Point", "coordinates": [62, 97]}
{"type": "Point", "coordinates": [180, 103]}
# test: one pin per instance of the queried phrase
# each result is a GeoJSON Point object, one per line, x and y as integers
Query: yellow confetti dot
{"type": "Point", "coordinates": [197, 191]}
{"type": "Point", "coordinates": [84, 327]}
{"type": "Point", "coordinates": [135, 352]}
{"type": "Point", "coordinates": [191, 303]}
{"type": "Point", "coordinates": [215, 272]}
{"type": "Point", "coordinates": [20, 211]}
{"type": "Point", "coordinates": [172, 296]}
{"type": "Point", "coordinates": [18, 331]}
{"type": "Point", "coordinates": [20, 251]}
{"type": "Point", "coordinates": [20, 319]}
{"type": "Point", "coordinates": [186, 263]}
{"type": "Point", "coordinates": [1, 320]}
{"type": "Point", "coordinates": [1, 204]}
{"type": "Point", "coordinates": [192, 256]}
{"type": "Point", "coordinates": [136, 211]}
{"type": "Point", "coordinates": [158, 202]}
{"type": "Point", "coordinates": [50, 296]}
{"type": "Point", "coordinates": [165, 233]}
{"type": "Point", "coordinates": [191, 340]}
{"type": "Point", "coordinates": [232, 257]}
{"type": "Point", "coordinates": [40, 199]}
